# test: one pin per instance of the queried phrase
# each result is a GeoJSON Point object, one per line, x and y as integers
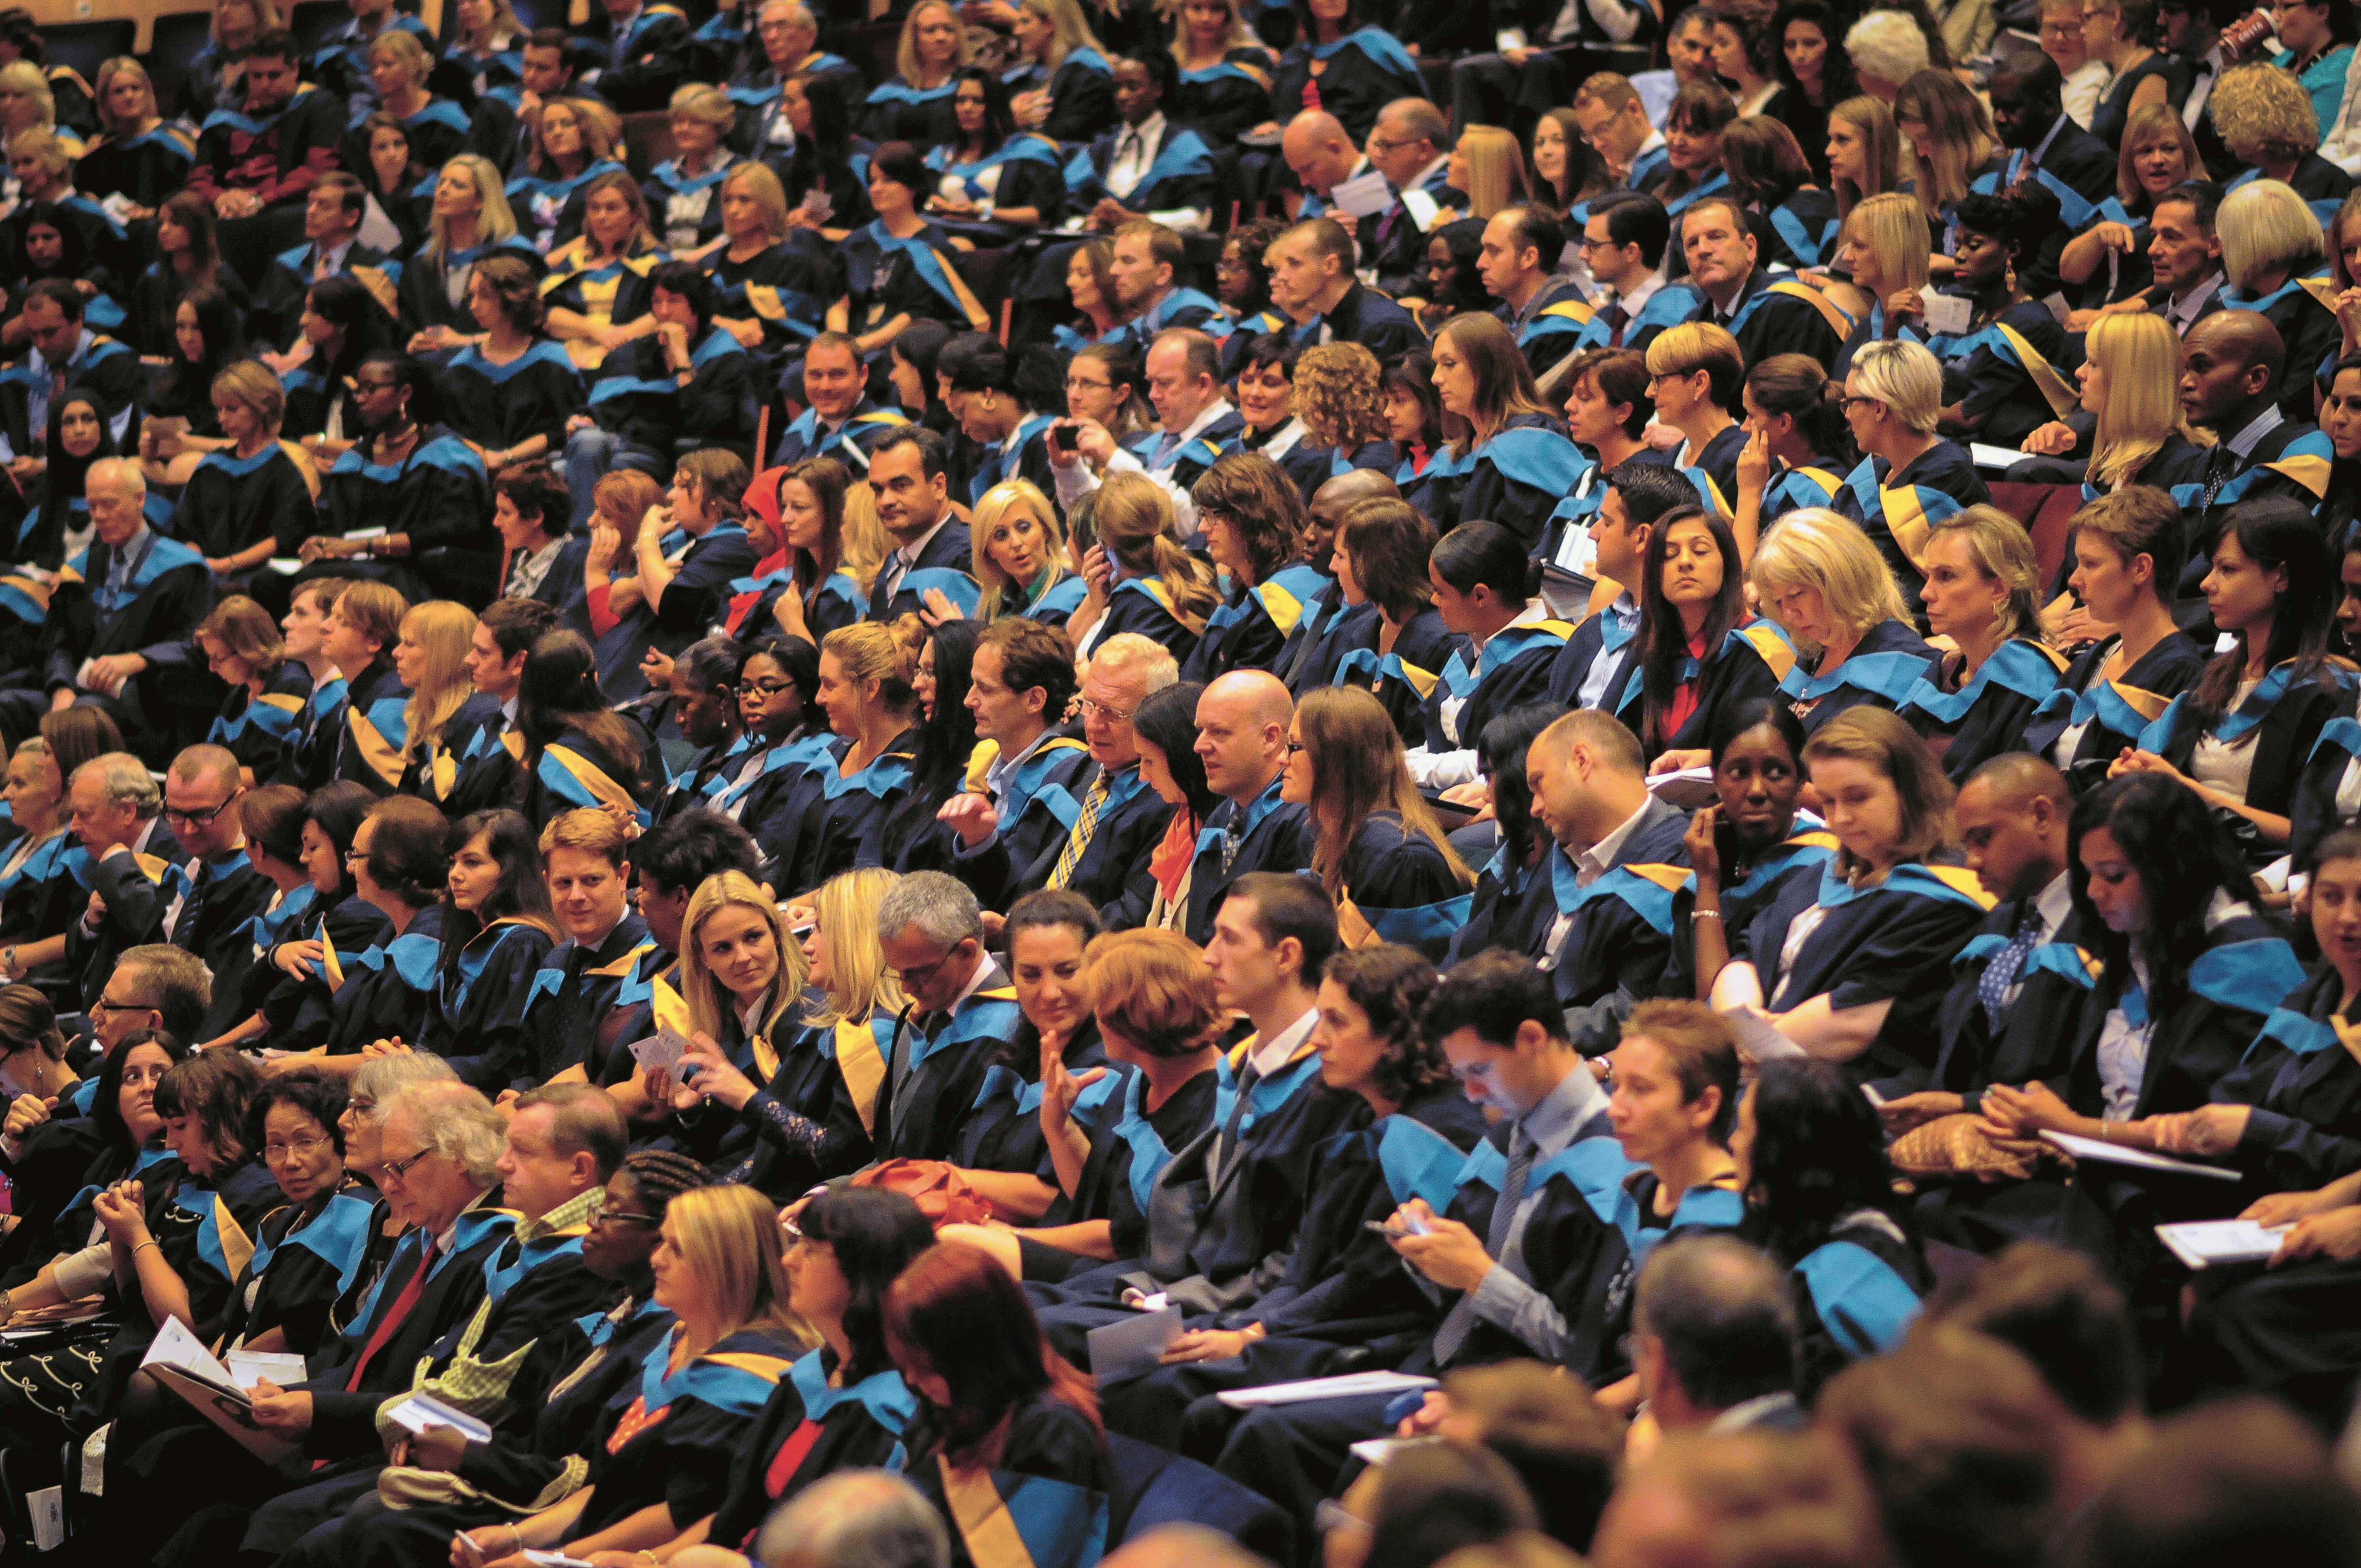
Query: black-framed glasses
{"type": "Point", "coordinates": [625, 1217]}
{"type": "Point", "coordinates": [1850, 401]}
{"type": "Point", "coordinates": [765, 689]}
{"type": "Point", "coordinates": [202, 818]}
{"type": "Point", "coordinates": [919, 978]}
{"type": "Point", "coordinates": [103, 1005]}
{"type": "Point", "coordinates": [400, 1170]}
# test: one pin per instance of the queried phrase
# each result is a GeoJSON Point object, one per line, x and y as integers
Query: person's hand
{"type": "Point", "coordinates": [396, 1046]}
{"type": "Point", "coordinates": [1449, 1255]}
{"type": "Point", "coordinates": [2052, 440]}
{"type": "Point", "coordinates": [1207, 1345]}
{"type": "Point", "coordinates": [1662, 438]}
{"type": "Point", "coordinates": [970, 816]}
{"type": "Point", "coordinates": [108, 673]}
{"type": "Point", "coordinates": [1093, 442]}
{"type": "Point", "coordinates": [2025, 1113]}
{"type": "Point", "coordinates": [748, 334]}
{"type": "Point", "coordinates": [1704, 858]}
{"type": "Point", "coordinates": [120, 1208]}
{"type": "Point", "coordinates": [935, 608]}
{"type": "Point", "coordinates": [434, 340]}
{"type": "Point", "coordinates": [1060, 1089]}
{"type": "Point", "coordinates": [1902, 304]}
{"type": "Point", "coordinates": [2286, 1208]}
{"type": "Point", "coordinates": [2115, 237]}
{"type": "Point", "coordinates": [657, 668]}
{"type": "Point", "coordinates": [1110, 213]}
{"type": "Point", "coordinates": [25, 470]}
{"type": "Point", "coordinates": [1097, 576]}
{"type": "Point", "coordinates": [2078, 627]}
{"type": "Point", "coordinates": [606, 543]}
{"type": "Point", "coordinates": [26, 1113]}
{"type": "Point", "coordinates": [1677, 762]}
{"type": "Point", "coordinates": [2348, 317]}
{"type": "Point", "coordinates": [2208, 1129]}
{"type": "Point", "coordinates": [278, 1410]}
{"type": "Point", "coordinates": [1907, 1110]}
{"type": "Point", "coordinates": [1755, 465]}
{"type": "Point", "coordinates": [1428, 1419]}
{"type": "Point", "coordinates": [951, 206]}
{"type": "Point", "coordinates": [297, 959]}
{"type": "Point", "coordinates": [436, 1448]}
{"type": "Point", "coordinates": [704, 1070]}
{"type": "Point", "coordinates": [2336, 1235]}
{"type": "Point", "coordinates": [1474, 793]}
{"type": "Point", "coordinates": [2135, 761]}
{"type": "Point", "coordinates": [1517, 57]}
{"type": "Point", "coordinates": [1030, 110]}
{"type": "Point", "coordinates": [675, 340]}
{"type": "Point", "coordinates": [578, 421]}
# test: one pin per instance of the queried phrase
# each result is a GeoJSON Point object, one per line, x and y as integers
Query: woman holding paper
{"type": "Point", "coordinates": [1421, 1132]}
{"type": "Point", "coordinates": [660, 1451]}
{"type": "Point", "coordinates": [308, 1250]}
{"type": "Point", "coordinates": [2189, 970]}
{"type": "Point", "coordinates": [780, 1119]}
{"type": "Point", "coordinates": [1820, 1198]}
{"type": "Point", "coordinates": [1851, 966]}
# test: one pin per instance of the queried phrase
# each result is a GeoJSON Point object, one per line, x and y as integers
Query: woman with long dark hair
{"type": "Point", "coordinates": [497, 929]}
{"type": "Point", "coordinates": [1820, 1199]}
{"type": "Point", "coordinates": [208, 335]}
{"type": "Point", "coordinates": [1252, 519]}
{"type": "Point", "coordinates": [945, 751]}
{"type": "Point", "coordinates": [343, 324]}
{"type": "Point", "coordinates": [817, 589]}
{"type": "Point", "coordinates": [1388, 637]}
{"type": "Point", "coordinates": [1747, 847]}
{"type": "Point", "coordinates": [2240, 736]}
{"type": "Point", "coordinates": [1380, 853]}
{"type": "Point", "coordinates": [337, 925]}
{"type": "Point", "coordinates": [1500, 914]}
{"type": "Point", "coordinates": [1815, 73]}
{"type": "Point", "coordinates": [1165, 727]}
{"type": "Point", "coordinates": [271, 817]}
{"type": "Point", "coordinates": [578, 750]}
{"type": "Point", "coordinates": [57, 530]}
{"type": "Point", "coordinates": [1852, 965]}
{"type": "Point", "coordinates": [993, 172]}
{"type": "Point", "coordinates": [1414, 420]}
{"type": "Point", "coordinates": [2189, 968]}
{"type": "Point", "coordinates": [997, 1405]}
{"type": "Point", "coordinates": [782, 732]}
{"type": "Point", "coordinates": [1699, 651]}
{"type": "Point", "coordinates": [189, 257]}
{"type": "Point", "coordinates": [827, 156]}
{"type": "Point", "coordinates": [1768, 172]}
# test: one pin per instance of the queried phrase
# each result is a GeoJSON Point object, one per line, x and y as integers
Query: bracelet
{"type": "Point", "coordinates": [1697, 914]}
{"type": "Point", "coordinates": [149, 1242]}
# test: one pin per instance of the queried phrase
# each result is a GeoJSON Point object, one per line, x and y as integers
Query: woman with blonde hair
{"type": "Point", "coordinates": [852, 996]}
{"type": "Point", "coordinates": [441, 710]}
{"type": "Point", "coordinates": [572, 143]}
{"type": "Point", "coordinates": [2273, 252]}
{"type": "Point", "coordinates": [488, 44]}
{"type": "Point", "coordinates": [399, 68]}
{"type": "Point", "coordinates": [27, 103]}
{"type": "Point", "coordinates": [1509, 460]}
{"type": "Point", "coordinates": [1062, 84]}
{"type": "Point", "coordinates": [1487, 164]}
{"type": "Point", "coordinates": [1883, 244]}
{"type": "Point", "coordinates": [1021, 558]}
{"type": "Point", "coordinates": [239, 498]}
{"type": "Point", "coordinates": [1340, 396]}
{"type": "Point", "coordinates": [244, 647]}
{"type": "Point", "coordinates": [743, 974]}
{"type": "Point", "coordinates": [661, 1460]}
{"type": "Point", "coordinates": [1380, 854]}
{"type": "Point", "coordinates": [1817, 575]}
{"type": "Point", "coordinates": [682, 188]}
{"type": "Point", "coordinates": [1865, 151]}
{"type": "Point", "coordinates": [2109, 257]}
{"type": "Point", "coordinates": [135, 155]}
{"type": "Point", "coordinates": [832, 816]}
{"type": "Point", "coordinates": [1952, 141]}
{"type": "Point", "coordinates": [914, 105]}
{"type": "Point", "coordinates": [598, 290]}
{"type": "Point", "coordinates": [470, 220]}
{"type": "Point", "coordinates": [2263, 116]}
{"type": "Point", "coordinates": [1149, 584]}
{"type": "Point", "coordinates": [357, 637]}
{"type": "Point", "coordinates": [1909, 477]}
{"type": "Point", "coordinates": [1881, 927]}
{"type": "Point", "coordinates": [2130, 381]}
{"type": "Point", "coordinates": [1982, 593]}
{"type": "Point", "coordinates": [762, 284]}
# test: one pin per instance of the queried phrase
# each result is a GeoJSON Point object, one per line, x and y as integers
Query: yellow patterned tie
{"type": "Point", "coordinates": [1078, 839]}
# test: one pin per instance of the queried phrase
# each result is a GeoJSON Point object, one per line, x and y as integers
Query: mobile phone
{"type": "Point", "coordinates": [1063, 438]}
{"type": "Point", "coordinates": [1725, 843]}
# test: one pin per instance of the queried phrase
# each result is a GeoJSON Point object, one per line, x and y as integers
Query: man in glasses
{"type": "Point", "coordinates": [961, 1007]}
{"type": "Point", "coordinates": [209, 891]}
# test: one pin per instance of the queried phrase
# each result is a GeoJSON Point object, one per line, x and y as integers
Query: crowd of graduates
{"type": "Point", "coordinates": [1651, 722]}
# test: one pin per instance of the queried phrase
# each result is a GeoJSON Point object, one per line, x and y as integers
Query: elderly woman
{"type": "Point", "coordinates": [1818, 575]}
{"type": "Point", "coordinates": [2274, 253]}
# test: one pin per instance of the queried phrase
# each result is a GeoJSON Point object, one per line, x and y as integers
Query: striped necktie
{"type": "Point", "coordinates": [1078, 839]}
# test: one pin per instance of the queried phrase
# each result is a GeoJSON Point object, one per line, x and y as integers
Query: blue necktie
{"type": "Point", "coordinates": [2003, 971]}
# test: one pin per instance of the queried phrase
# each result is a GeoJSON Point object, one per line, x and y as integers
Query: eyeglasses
{"type": "Point", "coordinates": [1849, 401]}
{"type": "Point", "coordinates": [1076, 384]}
{"type": "Point", "coordinates": [398, 1170]}
{"type": "Point", "coordinates": [1380, 144]}
{"type": "Point", "coordinates": [1111, 715]}
{"type": "Point", "coordinates": [197, 818]}
{"type": "Point", "coordinates": [766, 688]}
{"type": "Point", "coordinates": [924, 975]}
{"type": "Point", "coordinates": [103, 1005]}
{"type": "Point", "coordinates": [355, 856]}
{"type": "Point", "coordinates": [300, 1148]}
{"type": "Point", "coordinates": [625, 1217]}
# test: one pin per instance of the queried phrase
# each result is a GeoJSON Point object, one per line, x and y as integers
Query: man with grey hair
{"type": "Point", "coordinates": [961, 1007]}
{"type": "Point", "coordinates": [112, 806]}
{"type": "Point", "coordinates": [1714, 1337]}
{"type": "Point", "coordinates": [375, 1086]}
{"type": "Point", "coordinates": [1118, 821]}
{"type": "Point", "coordinates": [209, 892]}
{"type": "Point", "coordinates": [790, 39]}
{"type": "Point", "coordinates": [855, 1518]}
{"type": "Point", "coordinates": [119, 626]}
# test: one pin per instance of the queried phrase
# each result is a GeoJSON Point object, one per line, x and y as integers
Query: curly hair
{"type": "Point", "coordinates": [514, 289]}
{"type": "Point", "coordinates": [1390, 984]}
{"type": "Point", "coordinates": [1255, 497]}
{"type": "Point", "coordinates": [1340, 395]}
{"type": "Point", "coordinates": [2259, 108]}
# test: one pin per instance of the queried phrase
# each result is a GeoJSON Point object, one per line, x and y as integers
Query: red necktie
{"type": "Point", "coordinates": [387, 1325]}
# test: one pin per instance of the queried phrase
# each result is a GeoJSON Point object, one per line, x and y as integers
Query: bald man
{"type": "Point", "coordinates": [2234, 377]}
{"type": "Point", "coordinates": [1322, 157]}
{"type": "Point", "coordinates": [1242, 720]}
{"type": "Point", "coordinates": [2010, 1013]}
{"type": "Point", "coordinates": [1309, 656]}
{"type": "Point", "coordinates": [1408, 147]}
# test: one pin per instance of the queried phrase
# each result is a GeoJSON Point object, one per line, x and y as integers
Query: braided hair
{"type": "Point", "coordinates": [662, 1176]}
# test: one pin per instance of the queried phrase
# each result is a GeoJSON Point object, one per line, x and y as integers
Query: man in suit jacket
{"type": "Point", "coordinates": [910, 469]}
{"type": "Point", "coordinates": [1311, 280]}
{"type": "Point", "coordinates": [1242, 723]}
{"type": "Point", "coordinates": [1409, 144]}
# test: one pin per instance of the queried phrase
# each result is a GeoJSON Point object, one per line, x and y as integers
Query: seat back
{"type": "Point", "coordinates": [1155, 1487]}
{"type": "Point", "coordinates": [86, 46]}
{"type": "Point", "coordinates": [174, 42]}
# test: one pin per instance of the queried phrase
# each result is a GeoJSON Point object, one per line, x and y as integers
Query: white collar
{"type": "Point", "coordinates": [1290, 434]}
{"type": "Point", "coordinates": [1601, 856]}
{"type": "Point", "coordinates": [1150, 132]}
{"type": "Point", "coordinates": [1536, 610]}
{"type": "Point", "coordinates": [81, 346]}
{"type": "Point", "coordinates": [974, 982]}
{"type": "Point", "coordinates": [1418, 182]}
{"type": "Point", "coordinates": [2053, 903]}
{"type": "Point", "coordinates": [1212, 412]}
{"type": "Point", "coordinates": [2261, 425]}
{"type": "Point", "coordinates": [917, 547]}
{"type": "Point", "coordinates": [1634, 299]}
{"type": "Point", "coordinates": [1271, 1056]}
{"type": "Point", "coordinates": [508, 712]}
